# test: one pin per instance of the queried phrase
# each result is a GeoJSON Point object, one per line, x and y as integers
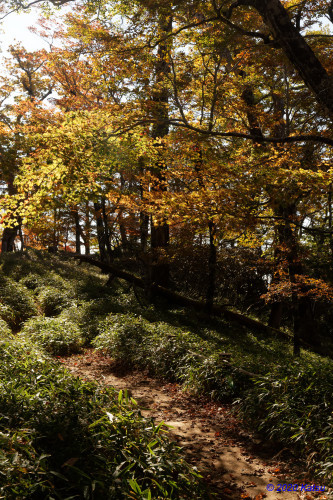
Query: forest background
{"type": "Point", "coordinates": [187, 142]}
{"type": "Point", "coordinates": [184, 147]}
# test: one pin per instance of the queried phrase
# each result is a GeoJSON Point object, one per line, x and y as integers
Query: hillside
{"type": "Point", "coordinates": [62, 436]}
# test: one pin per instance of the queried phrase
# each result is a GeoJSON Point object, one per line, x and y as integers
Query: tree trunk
{"type": "Point", "coordinates": [8, 236]}
{"type": "Point", "coordinates": [275, 316]}
{"type": "Point", "coordinates": [21, 237]}
{"type": "Point", "coordinates": [106, 232]}
{"type": "Point", "coordinates": [122, 230]}
{"type": "Point", "coordinates": [288, 252]}
{"type": "Point", "coordinates": [295, 307]}
{"type": "Point", "coordinates": [210, 292]}
{"type": "Point", "coordinates": [100, 232]}
{"type": "Point", "coordinates": [160, 229]}
{"type": "Point", "coordinates": [9, 233]}
{"type": "Point", "coordinates": [144, 225]}
{"type": "Point", "coordinates": [75, 213]}
{"type": "Point", "coordinates": [299, 53]}
{"type": "Point", "coordinates": [122, 227]}
{"type": "Point", "coordinates": [144, 217]}
{"type": "Point", "coordinates": [159, 244]}
{"type": "Point", "coordinates": [87, 230]}
{"type": "Point", "coordinates": [211, 267]}
{"type": "Point", "coordinates": [330, 226]}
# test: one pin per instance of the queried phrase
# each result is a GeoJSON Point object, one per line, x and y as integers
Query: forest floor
{"type": "Point", "coordinates": [235, 463]}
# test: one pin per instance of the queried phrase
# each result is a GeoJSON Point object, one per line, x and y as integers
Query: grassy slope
{"type": "Point", "coordinates": [60, 437]}
{"type": "Point", "coordinates": [291, 400]}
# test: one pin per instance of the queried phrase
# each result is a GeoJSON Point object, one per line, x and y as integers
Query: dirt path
{"type": "Point", "coordinates": [235, 464]}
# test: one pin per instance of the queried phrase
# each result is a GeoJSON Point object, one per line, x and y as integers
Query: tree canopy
{"type": "Point", "coordinates": [190, 139]}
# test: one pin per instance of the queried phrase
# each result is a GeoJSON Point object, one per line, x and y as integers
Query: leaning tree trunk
{"type": "Point", "coordinates": [295, 47]}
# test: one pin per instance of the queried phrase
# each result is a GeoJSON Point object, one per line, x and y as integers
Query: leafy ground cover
{"type": "Point", "coordinates": [58, 336]}
{"type": "Point", "coordinates": [236, 462]}
{"type": "Point", "coordinates": [289, 400]}
{"type": "Point", "coordinates": [65, 438]}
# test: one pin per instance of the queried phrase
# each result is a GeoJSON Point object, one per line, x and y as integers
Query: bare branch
{"type": "Point", "coordinates": [238, 135]}
{"type": "Point", "coordinates": [183, 28]}
{"type": "Point", "coordinates": [21, 6]}
{"type": "Point", "coordinates": [253, 34]}
{"type": "Point", "coordinates": [241, 135]}
{"type": "Point", "coordinates": [234, 6]}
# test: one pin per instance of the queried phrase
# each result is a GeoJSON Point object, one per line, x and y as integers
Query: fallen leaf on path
{"type": "Point", "coordinates": [70, 461]}
{"type": "Point", "coordinates": [250, 484]}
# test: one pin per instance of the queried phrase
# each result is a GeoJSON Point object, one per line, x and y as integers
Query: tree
{"type": "Point", "coordinates": [28, 88]}
{"type": "Point", "coordinates": [212, 128]}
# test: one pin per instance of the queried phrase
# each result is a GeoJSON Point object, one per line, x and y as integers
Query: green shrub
{"type": "Point", "coordinates": [31, 281]}
{"type": "Point", "coordinates": [31, 262]}
{"type": "Point", "coordinates": [171, 352]}
{"type": "Point", "coordinates": [293, 404]}
{"type": "Point", "coordinates": [64, 438]}
{"type": "Point", "coordinates": [16, 303]}
{"type": "Point", "coordinates": [123, 334]}
{"type": "Point", "coordinates": [53, 280]}
{"type": "Point", "coordinates": [90, 286]}
{"type": "Point", "coordinates": [209, 375]}
{"type": "Point", "coordinates": [56, 335]}
{"type": "Point", "coordinates": [87, 316]}
{"type": "Point", "coordinates": [5, 331]}
{"type": "Point", "coordinates": [133, 339]}
{"type": "Point", "coordinates": [52, 300]}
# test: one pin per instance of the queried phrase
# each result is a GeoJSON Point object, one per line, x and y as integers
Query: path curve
{"type": "Point", "coordinates": [235, 464]}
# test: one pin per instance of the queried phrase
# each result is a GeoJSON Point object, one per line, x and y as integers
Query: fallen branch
{"type": "Point", "coordinates": [181, 299]}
